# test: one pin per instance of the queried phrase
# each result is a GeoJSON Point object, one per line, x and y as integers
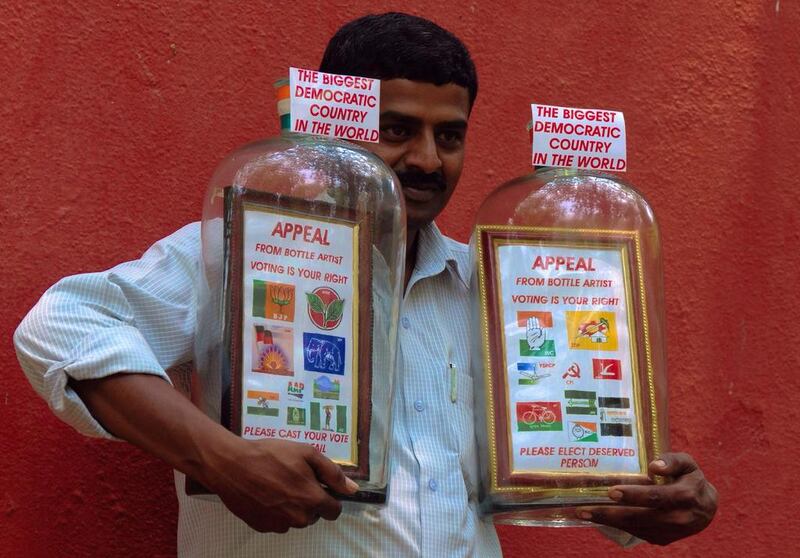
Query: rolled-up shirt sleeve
{"type": "Point", "coordinates": [137, 317]}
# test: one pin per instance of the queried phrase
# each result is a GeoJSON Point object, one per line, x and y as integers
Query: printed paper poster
{"type": "Point", "coordinates": [567, 349]}
{"type": "Point", "coordinates": [299, 326]}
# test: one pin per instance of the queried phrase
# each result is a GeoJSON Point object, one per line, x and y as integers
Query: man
{"type": "Point", "coordinates": [96, 347]}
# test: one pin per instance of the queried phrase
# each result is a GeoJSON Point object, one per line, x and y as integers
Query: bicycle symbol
{"type": "Point", "coordinates": [538, 415]}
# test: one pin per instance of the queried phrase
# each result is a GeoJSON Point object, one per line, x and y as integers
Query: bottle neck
{"type": "Point", "coordinates": [282, 100]}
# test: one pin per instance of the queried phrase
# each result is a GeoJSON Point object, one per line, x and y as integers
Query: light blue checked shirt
{"type": "Point", "coordinates": [140, 317]}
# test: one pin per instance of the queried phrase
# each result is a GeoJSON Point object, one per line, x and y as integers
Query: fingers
{"type": "Point", "coordinates": [615, 516]}
{"type": "Point", "coordinates": [673, 465]}
{"type": "Point", "coordinates": [684, 493]}
{"type": "Point", "coordinates": [689, 491]}
{"type": "Point", "coordinates": [329, 508]}
{"type": "Point", "coordinates": [660, 513]}
{"type": "Point", "coordinates": [680, 495]}
{"type": "Point", "coordinates": [330, 474]}
{"type": "Point", "coordinates": [303, 512]}
{"type": "Point", "coordinates": [283, 487]}
{"type": "Point", "coordinates": [655, 526]}
{"type": "Point", "coordinates": [317, 504]}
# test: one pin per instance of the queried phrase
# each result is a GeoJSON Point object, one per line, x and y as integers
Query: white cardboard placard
{"type": "Point", "coordinates": [577, 138]}
{"type": "Point", "coordinates": [333, 105]}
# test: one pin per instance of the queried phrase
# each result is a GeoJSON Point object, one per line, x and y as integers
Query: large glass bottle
{"type": "Point", "coordinates": [569, 354]}
{"type": "Point", "coordinates": [303, 242]}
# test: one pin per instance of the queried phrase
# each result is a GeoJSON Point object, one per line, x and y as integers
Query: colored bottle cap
{"type": "Point", "coordinates": [282, 99]}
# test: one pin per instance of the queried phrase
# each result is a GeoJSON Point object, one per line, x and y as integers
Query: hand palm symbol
{"type": "Point", "coordinates": [535, 334]}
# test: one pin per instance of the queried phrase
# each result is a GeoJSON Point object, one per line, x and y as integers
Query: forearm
{"type": "Point", "coordinates": [272, 485]}
{"type": "Point", "coordinates": [150, 414]}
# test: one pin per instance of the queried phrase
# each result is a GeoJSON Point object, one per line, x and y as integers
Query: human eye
{"type": "Point", "coordinates": [395, 132]}
{"type": "Point", "coordinates": [450, 138]}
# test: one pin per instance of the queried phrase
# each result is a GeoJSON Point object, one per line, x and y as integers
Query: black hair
{"type": "Point", "coordinates": [396, 45]}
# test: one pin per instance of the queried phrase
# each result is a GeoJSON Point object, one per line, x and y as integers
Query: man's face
{"type": "Point", "coordinates": [422, 135]}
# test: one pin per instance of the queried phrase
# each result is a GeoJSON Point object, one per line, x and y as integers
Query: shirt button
{"type": "Point", "coordinates": [433, 485]}
{"type": "Point", "coordinates": [419, 405]}
{"type": "Point", "coordinates": [406, 322]}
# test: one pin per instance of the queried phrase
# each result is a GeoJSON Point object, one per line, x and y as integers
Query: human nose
{"type": "Point", "coordinates": [423, 153]}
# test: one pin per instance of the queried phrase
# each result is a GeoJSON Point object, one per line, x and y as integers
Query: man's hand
{"type": "Point", "coordinates": [661, 514]}
{"type": "Point", "coordinates": [273, 485]}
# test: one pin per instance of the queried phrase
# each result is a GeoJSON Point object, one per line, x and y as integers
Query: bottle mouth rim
{"type": "Point", "coordinates": [282, 99]}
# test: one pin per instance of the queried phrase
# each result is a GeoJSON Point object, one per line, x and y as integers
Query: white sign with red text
{"type": "Point", "coordinates": [578, 138]}
{"type": "Point", "coordinates": [571, 394]}
{"type": "Point", "coordinates": [333, 105]}
{"type": "Point", "coordinates": [299, 330]}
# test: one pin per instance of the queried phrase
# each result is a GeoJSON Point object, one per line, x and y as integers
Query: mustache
{"type": "Point", "coordinates": [421, 180]}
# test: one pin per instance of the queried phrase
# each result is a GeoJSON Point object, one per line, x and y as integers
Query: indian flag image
{"type": "Point", "coordinates": [264, 403]}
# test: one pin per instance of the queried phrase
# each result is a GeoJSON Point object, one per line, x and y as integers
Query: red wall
{"type": "Point", "coordinates": [113, 115]}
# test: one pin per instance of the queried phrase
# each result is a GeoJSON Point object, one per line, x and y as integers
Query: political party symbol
{"type": "Point", "coordinates": [529, 372]}
{"type": "Point", "coordinates": [325, 308]}
{"type": "Point", "coordinates": [295, 390]}
{"type": "Point", "coordinates": [580, 402]}
{"type": "Point", "coordinates": [573, 371]}
{"type": "Point", "coordinates": [592, 330]}
{"type": "Point", "coordinates": [331, 418]}
{"type": "Point", "coordinates": [606, 369]}
{"type": "Point", "coordinates": [263, 403]}
{"type": "Point", "coordinates": [616, 416]}
{"type": "Point", "coordinates": [323, 353]}
{"type": "Point", "coordinates": [273, 351]}
{"type": "Point", "coordinates": [295, 416]}
{"type": "Point", "coordinates": [274, 301]}
{"type": "Point", "coordinates": [538, 339]}
{"type": "Point", "coordinates": [539, 416]}
{"type": "Point", "coordinates": [582, 431]}
{"type": "Point", "coordinates": [326, 388]}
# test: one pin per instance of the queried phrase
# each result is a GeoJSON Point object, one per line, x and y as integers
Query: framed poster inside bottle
{"type": "Point", "coordinates": [298, 318]}
{"type": "Point", "coordinates": [568, 377]}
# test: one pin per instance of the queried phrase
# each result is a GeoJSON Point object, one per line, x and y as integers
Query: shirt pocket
{"type": "Point", "coordinates": [461, 414]}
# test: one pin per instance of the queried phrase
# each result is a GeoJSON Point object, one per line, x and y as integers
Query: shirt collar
{"type": "Point", "coordinates": [435, 252]}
